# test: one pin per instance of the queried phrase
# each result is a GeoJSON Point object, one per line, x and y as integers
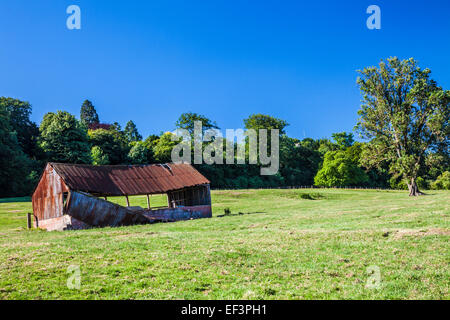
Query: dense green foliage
{"type": "Point", "coordinates": [64, 139]}
{"type": "Point", "coordinates": [186, 121]}
{"type": "Point", "coordinates": [88, 114]}
{"type": "Point", "coordinates": [21, 156]}
{"type": "Point", "coordinates": [14, 165]}
{"type": "Point", "coordinates": [343, 139]}
{"type": "Point", "coordinates": [131, 132]}
{"type": "Point", "coordinates": [405, 115]}
{"type": "Point", "coordinates": [442, 182]}
{"type": "Point", "coordinates": [138, 153]}
{"type": "Point", "coordinates": [262, 121]}
{"type": "Point", "coordinates": [27, 132]}
{"type": "Point", "coordinates": [404, 119]}
{"type": "Point", "coordinates": [162, 147]}
{"type": "Point", "coordinates": [112, 142]}
{"type": "Point", "coordinates": [98, 156]}
{"type": "Point", "coordinates": [341, 168]}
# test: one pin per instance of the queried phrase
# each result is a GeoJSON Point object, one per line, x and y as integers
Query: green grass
{"type": "Point", "coordinates": [275, 244]}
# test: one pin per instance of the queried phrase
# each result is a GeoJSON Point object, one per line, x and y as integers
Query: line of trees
{"type": "Point", "coordinates": [404, 118]}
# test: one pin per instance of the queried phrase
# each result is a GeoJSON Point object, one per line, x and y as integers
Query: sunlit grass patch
{"type": "Point", "coordinates": [273, 244]}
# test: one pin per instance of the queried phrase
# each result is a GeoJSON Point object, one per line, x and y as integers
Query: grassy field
{"type": "Point", "coordinates": [276, 244]}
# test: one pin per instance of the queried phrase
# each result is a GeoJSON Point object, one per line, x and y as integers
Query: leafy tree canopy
{"type": "Point", "coordinates": [14, 165]}
{"type": "Point", "coordinates": [95, 126]}
{"type": "Point", "coordinates": [442, 182]}
{"type": "Point", "coordinates": [88, 114]}
{"type": "Point", "coordinates": [340, 169]}
{"type": "Point", "coordinates": [98, 156]}
{"type": "Point", "coordinates": [113, 144]}
{"type": "Point", "coordinates": [299, 161]}
{"type": "Point", "coordinates": [404, 114]}
{"type": "Point", "coordinates": [151, 141]}
{"type": "Point", "coordinates": [138, 153]}
{"type": "Point", "coordinates": [326, 145]}
{"type": "Point", "coordinates": [187, 120]}
{"type": "Point", "coordinates": [131, 132]}
{"type": "Point", "coordinates": [262, 121]}
{"type": "Point", "coordinates": [343, 139]}
{"type": "Point", "coordinates": [64, 139]}
{"type": "Point", "coordinates": [163, 148]}
{"type": "Point", "coordinates": [18, 115]}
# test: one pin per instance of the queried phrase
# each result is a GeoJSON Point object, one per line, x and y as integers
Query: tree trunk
{"type": "Point", "coordinates": [414, 189]}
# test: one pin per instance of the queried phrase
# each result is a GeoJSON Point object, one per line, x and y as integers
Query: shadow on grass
{"type": "Point", "coordinates": [236, 214]}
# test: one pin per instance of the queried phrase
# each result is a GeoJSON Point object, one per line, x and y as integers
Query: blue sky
{"type": "Point", "coordinates": [149, 61]}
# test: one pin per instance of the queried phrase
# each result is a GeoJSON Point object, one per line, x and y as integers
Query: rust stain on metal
{"type": "Point", "coordinates": [129, 180]}
{"type": "Point", "coordinates": [48, 197]}
{"type": "Point", "coordinates": [100, 213]}
{"type": "Point", "coordinates": [66, 196]}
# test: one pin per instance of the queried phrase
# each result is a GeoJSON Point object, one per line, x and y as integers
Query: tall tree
{"type": "Point", "coordinates": [14, 165]}
{"type": "Point", "coordinates": [343, 139]}
{"type": "Point", "coordinates": [64, 139]}
{"type": "Point", "coordinates": [262, 121]}
{"type": "Point", "coordinates": [131, 132]}
{"type": "Point", "coordinates": [405, 114]}
{"type": "Point", "coordinates": [150, 143]}
{"type": "Point", "coordinates": [88, 114]}
{"type": "Point", "coordinates": [18, 114]}
{"type": "Point", "coordinates": [187, 121]}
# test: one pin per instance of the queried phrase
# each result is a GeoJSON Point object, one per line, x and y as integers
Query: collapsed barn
{"type": "Point", "coordinates": [73, 196]}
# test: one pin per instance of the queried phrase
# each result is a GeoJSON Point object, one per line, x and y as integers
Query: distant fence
{"type": "Point", "coordinates": [306, 187]}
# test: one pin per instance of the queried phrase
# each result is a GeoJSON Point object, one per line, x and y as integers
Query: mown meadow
{"type": "Point", "coordinates": [274, 244]}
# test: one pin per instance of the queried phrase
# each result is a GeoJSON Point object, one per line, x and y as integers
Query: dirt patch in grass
{"type": "Point", "coordinates": [421, 233]}
{"type": "Point", "coordinates": [136, 235]}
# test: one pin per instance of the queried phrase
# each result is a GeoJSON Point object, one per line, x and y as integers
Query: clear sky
{"type": "Point", "coordinates": [149, 61]}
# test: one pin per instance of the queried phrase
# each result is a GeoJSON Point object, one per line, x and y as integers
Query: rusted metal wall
{"type": "Point", "coordinates": [82, 210]}
{"type": "Point", "coordinates": [97, 212]}
{"type": "Point", "coordinates": [100, 213]}
{"type": "Point", "coordinates": [176, 214]}
{"type": "Point", "coordinates": [48, 197]}
{"type": "Point", "coordinates": [129, 180]}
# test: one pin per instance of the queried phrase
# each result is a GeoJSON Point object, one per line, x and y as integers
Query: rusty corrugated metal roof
{"type": "Point", "coordinates": [129, 179]}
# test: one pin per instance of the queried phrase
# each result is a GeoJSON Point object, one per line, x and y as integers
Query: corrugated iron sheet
{"type": "Point", "coordinates": [96, 212]}
{"type": "Point", "coordinates": [129, 180]}
{"type": "Point", "coordinates": [48, 197]}
{"type": "Point", "coordinates": [100, 213]}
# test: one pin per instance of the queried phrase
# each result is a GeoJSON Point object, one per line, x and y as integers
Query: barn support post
{"type": "Point", "coordinates": [128, 201]}
{"type": "Point", "coordinates": [29, 225]}
{"type": "Point", "coordinates": [148, 202]}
